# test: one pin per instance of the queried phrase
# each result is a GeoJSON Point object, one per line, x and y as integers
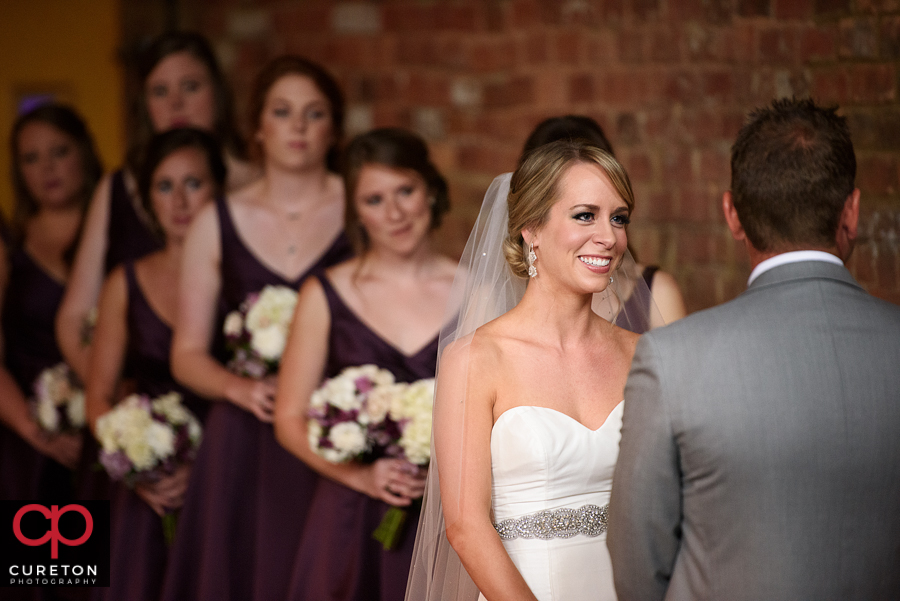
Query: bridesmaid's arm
{"type": "Point", "coordinates": [14, 412]}
{"type": "Point", "coordinates": [462, 439]}
{"type": "Point", "coordinates": [302, 366]}
{"type": "Point", "coordinates": [198, 297]}
{"type": "Point", "coordinates": [109, 347]}
{"type": "Point", "coordinates": [668, 299]}
{"type": "Point", "coordinates": [84, 282]}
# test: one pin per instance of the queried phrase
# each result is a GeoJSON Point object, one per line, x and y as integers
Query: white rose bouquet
{"type": "Point", "coordinates": [58, 403]}
{"type": "Point", "coordinates": [363, 414]}
{"type": "Point", "coordinates": [143, 439]}
{"type": "Point", "coordinates": [257, 332]}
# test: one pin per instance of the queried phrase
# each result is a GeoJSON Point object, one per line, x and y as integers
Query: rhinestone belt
{"type": "Point", "coordinates": [589, 520]}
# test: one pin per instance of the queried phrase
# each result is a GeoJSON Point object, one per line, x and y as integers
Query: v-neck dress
{"type": "Point", "coordinates": [29, 312]}
{"type": "Point", "coordinates": [338, 559]}
{"type": "Point", "coordinates": [247, 501]}
{"type": "Point", "coordinates": [138, 548]}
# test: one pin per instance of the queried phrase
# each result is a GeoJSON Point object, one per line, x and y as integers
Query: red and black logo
{"type": "Point", "coordinates": [54, 544]}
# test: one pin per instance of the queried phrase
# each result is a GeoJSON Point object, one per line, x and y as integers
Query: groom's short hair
{"type": "Point", "coordinates": [792, 169]}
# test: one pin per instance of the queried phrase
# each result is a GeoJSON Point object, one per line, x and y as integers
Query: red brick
{"type": "Point", "coordinates": [664, 46]}
{"type": "Point", "coordinates": [754, 8]}
{"type": "Point", "coordinates": [297, 18]}
{"type": "Point", "coordinates": [858, 38]}
{"type": "Point", "coordinates": [877, 174]}
{"type": "Point", "coordinates": [535, 48]}
{"type": "Point", "coordinates": [697, 204]}
{"type": "Point", "coordinates": [627, 130]}
{"type": "Point", "coordinates": [793, 9]}
{"type": "Point", "coordinates": [877, 129]}
{"type": "Point", "coordinates": [639, 166]}
{"type": "Point", "coordinates": [630, 46]}
{"type": "Point", "coordinates": [778, 45]}
{"type": "Point", "coordinates": [873, 83]}
{"type": "Point", "coordinates": [525, 14]}
{"type": "Point", "coordinates": [745, 42]}
{"type": "Point", "coordinates": [509, 92]}
{"type": "Point", "coordinates": [817, 44]}
{"type": "Point", "coordinates": [646, 9]}
{"type": "Point", "coordinates": [569, 47]}
{"type": "Point", "coordinates": [862, 264]}
{"type": "Point", "coordinates": [715, 166]}
{"type": "Point", "coordinates": [683, 86]}
{"type": "Point", "coordinates": [661, 206]}
{"type": "Point", "coordinates": [492, 55]}
{"type": "Point", "coordinates": [831, 84]}
{"type": "Point", "coordinates": [600, 51]}
{"type": "Point", "coordinates": [887, 267]}
{"type": "Point", "coordinates": [719, 85]}
{"type": "Point", "coordinates": [700, 288]}
{"type": "Point", "coordinates": [421, 89]}
{"type": "Point", "coordinates": [831, 7]}
{"type": "Point", "coordinates": [889, 39]}
{"type": "Point", "coordinates": [487, 158]}
{"type": "Point", "coordinates": [550, 93]}
{"type": "Point", "coordinates": [581, 88]}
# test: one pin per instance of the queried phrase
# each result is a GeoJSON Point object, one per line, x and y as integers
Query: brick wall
{"type": "Point", "coordinates": [669, 80]}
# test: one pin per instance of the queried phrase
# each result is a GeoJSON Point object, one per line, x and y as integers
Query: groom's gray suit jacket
{"type": "Point", "coordinates": [760, 454]}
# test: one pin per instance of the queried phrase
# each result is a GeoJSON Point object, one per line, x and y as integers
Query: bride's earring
{"type": "Point", "coordinates": [610, 279]}
{"type": "Point", "coordinates": [532, 270]}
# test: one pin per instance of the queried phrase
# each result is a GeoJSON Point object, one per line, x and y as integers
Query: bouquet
{"type": "Point", "coordinates": [144, 439]}
{"type": "Point", "coordinates": [58, 402]}
{"type": "Point", "coordinates": [257, 332]}
{"type": "Point", "coordinates": [363, 414]}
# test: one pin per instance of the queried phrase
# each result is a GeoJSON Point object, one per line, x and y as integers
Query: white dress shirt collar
{"type": "Point", "coordinates": [792, 257]}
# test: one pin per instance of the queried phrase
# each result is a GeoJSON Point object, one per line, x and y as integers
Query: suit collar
{"type": "Point", "coordinates": [801, 271]}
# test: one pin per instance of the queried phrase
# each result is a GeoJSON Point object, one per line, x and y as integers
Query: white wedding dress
{"type": "Point", "coordinates": [545, 461]}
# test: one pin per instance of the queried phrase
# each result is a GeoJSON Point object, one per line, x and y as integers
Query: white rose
{"type": "Point", "coordinates": [274, 306]}
{"type": "Point", "coordinates": [380, 400]}
{"type": "Point", "coordinates": [47, 416]}
{"type": "Point", "coordinates": [234, 323]}
{"type": "Point", "coordinates": [341, 393]}
{"type": "Point", "coordinates": [269, 342]}
{"type": "Point", "coordinates": [348, 437]}
{"type": "Point", "coordinates": [314, 434]}
{"type": "Point", "coordinates": [75, 409]}
{"type": "Point", "coordinates": [416, 441]}
{"type": "Point", "coordinates": [139, 453]}
{"type": "Point", "coordinates": [161, 439]}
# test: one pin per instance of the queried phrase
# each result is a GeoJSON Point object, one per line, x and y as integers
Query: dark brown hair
{"type": "Point", "coordinates": [397, 149]}
{"type": "Point", "coordinates": [567, 127]}
{"type": "Point", "coordinates": [792, 169]}
{"type": "Point", "coordinates": [296, 65]}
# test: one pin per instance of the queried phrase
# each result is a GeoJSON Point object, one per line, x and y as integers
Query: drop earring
{"type": "Point", "coordinates": [610, 279]}
{"type": "Point", "coordinates": [532, 270]}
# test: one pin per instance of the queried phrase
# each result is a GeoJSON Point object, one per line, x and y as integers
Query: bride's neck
{"type": "Point", "coordinates": [557, 315]}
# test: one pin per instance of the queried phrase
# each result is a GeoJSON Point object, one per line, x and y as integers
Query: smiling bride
{"type": "Point", "coordinates": [529, 404]}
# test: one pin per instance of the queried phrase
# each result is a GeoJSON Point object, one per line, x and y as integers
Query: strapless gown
{"type": "Point", "coordinates": [544, 460]}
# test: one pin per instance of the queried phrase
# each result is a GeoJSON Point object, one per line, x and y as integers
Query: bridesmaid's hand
{"type": "Point", "coordinates": [395, 481]}
{"type": "Point", "coordinates": [63, 448]}
{"type": "Point", "coordinates": [255, 396]}
{"type": "Point", "coordinates": [167, 493]}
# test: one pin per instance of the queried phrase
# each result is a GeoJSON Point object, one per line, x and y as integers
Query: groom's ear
{"type": "Point", "coordinates": [731, 217]}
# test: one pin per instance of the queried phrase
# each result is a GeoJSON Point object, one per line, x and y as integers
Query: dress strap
{"type": "Point", "coordinates": [648, 273]}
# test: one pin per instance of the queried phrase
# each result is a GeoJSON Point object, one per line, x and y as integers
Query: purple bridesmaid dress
{"type": "Point", "coordinates": [29, 311]}
{"type": "Point", "coordinates": [338, 559]}
{"type": "Point", "coordinates": [248, 498]}
{"type": "Point", "coordinates": [128, 238]}
{"type": "Point", "coordinates": [138, 547]}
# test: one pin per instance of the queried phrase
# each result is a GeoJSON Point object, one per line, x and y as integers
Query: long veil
{"type": "Point", "coordinates": [485, 288]}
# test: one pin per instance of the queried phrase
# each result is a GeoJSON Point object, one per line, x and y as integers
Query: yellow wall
{"type": "Point", "coordinates": [67, 47]}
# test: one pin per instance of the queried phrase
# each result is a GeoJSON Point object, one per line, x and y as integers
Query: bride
{"type": "Point", "coordinates": [530, 387]}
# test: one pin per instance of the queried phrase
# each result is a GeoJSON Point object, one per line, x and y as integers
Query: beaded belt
{"type": "Point", "coordinates": [589, 520]}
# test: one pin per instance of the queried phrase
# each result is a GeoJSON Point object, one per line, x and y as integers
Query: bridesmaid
{"type": "Point", "coordinates": [182, 86]}
{"type": "Point", "coordinates": [55, 171]}
{"type": "Point", "coordinates": [182, 172]}
{"type": "Point", "coordinates": [246, 505]}
{"type": "Point", "coordinates": [384, 307]}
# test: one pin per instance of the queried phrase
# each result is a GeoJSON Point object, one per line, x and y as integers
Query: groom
{"type": "Point", "coordinates": [760, 453]}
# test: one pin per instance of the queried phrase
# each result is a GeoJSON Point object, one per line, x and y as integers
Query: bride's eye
{"type": "Point", "coordinates": [584, 217]}
{"type": "Point", "coordinates": [622, 219]}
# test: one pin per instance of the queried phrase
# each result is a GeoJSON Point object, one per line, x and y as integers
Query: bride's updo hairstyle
{"type": "Point", "coordinates": [534, 189]}
{"type": "Point", "coordinates": [394, 148]}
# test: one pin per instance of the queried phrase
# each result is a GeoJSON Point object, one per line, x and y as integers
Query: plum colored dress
{"type": "Point", "coordinates": [248, 498]}
{"type": "Point", "coordinates": [128, 235]}
{"type": "Point", "coordinates": [138, 547]}
{"type": "Point", "coordinates": [29, 311]}
{"type": "Point", "coordinates": [338, 559]}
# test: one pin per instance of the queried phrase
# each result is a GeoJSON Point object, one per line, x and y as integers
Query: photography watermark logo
{"type": "Point", "coordinates": [43, 543]}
